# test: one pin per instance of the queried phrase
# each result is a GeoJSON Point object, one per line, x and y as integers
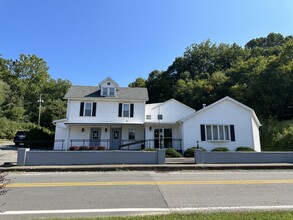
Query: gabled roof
{"type": "Point", "coordinates": [220, 101]}
{"type": "Point", "coordinates": [127, 93]}
{"type": "Point", "coordinates": [171, 100]}
{"type": "Point", "coordinates": [108, 79]}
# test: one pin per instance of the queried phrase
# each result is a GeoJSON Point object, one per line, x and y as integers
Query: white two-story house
{"type": "Point", "coordinates": [119, 118]}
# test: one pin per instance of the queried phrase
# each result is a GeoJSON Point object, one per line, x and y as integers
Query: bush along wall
{"type": "Point", "coordinates": [220, 149]}
{"type": "Point", "coordinates": [39, 138]}
{"type": "Point", "coordinates": [190, 151]}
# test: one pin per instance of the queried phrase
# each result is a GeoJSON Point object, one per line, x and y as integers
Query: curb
{"type": "Point", "coordinates": [156, 168]}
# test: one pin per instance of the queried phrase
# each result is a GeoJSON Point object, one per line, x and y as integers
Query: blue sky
{"type": "Point", "coordinates": [85, 41]}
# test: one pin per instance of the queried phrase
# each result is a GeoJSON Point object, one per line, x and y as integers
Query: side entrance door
{"type": "Point", "coordinates": [115, 138]}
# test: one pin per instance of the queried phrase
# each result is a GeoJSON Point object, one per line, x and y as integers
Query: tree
{"type": "Point", "coordinates": [139, 82]}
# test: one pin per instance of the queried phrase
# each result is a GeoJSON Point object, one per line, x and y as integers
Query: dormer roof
{"type": "Point", "coordinates": [108, 79]}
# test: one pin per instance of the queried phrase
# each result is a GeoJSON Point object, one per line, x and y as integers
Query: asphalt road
{"type": "Point", "coordinates": [122, 193]}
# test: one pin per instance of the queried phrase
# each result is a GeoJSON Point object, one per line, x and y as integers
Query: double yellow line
{"type": "Point", "coordinates": [150, 183]}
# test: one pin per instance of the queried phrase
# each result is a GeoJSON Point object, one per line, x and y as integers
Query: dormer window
{"type": "Point", "coordinates": [108, 87]}
{"type": "Point", "coordinates": [108, 91]}
{"type": "Point", "coordinates": [104, 91]}
{"type": "Point", "coordinates": [111, 91]}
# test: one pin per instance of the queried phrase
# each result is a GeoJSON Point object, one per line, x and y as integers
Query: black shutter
{"type": "Point", "coordinates": [120, 110]}
{"type": "Point", "coordinates": [232, 131]}
{"type": "Point", "coordinates": [94, 109]}
{"type": "Point", "coordinates": [131, 110]}
{"type": "Point", "coordinates": [203, 132]}
{"type": "Point", "coordinates": [81, 109]}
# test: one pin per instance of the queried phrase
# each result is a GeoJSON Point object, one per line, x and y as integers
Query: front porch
{"type": "Point", "coordinates": [129, 144]}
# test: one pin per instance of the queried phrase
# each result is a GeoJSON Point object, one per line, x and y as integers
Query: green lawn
{"type": "Point", "coordinates": [265, 215]}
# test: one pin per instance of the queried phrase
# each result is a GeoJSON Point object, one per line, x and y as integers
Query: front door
{"type": "Point", "coordinates": [163, 137]}
{"type": "Point", "coordinates": [115, 138]}
{"type": "Point", "coordinates": [95, 137]}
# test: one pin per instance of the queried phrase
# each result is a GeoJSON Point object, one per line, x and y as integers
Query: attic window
{"type": "Point", "coordinates": [160, 117]}
{"type": "Point", "coordinates": [108, 91]}
{"type": "Point", "coordinates": [148, 117]}
{"type": "Point", "coordinates": [111, 91]}
{"type": "Point", "coordinates": [108, 83]}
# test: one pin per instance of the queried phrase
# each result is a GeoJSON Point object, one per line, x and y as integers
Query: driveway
{"type": "Point", "coordinates": [8, 154]}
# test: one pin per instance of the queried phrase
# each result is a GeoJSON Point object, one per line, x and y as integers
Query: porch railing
{"type": "Point", "coordinates": [126, 144]}
{"type": "Point", "coordinates": [90, 142]}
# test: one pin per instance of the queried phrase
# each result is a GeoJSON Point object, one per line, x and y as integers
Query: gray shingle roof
{"type": "Point", "coordinates": [131, 93]}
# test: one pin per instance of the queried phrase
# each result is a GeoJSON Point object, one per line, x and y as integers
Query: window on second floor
{"type": "Point", "coordinates": [126, 110]}
{"type": "Point", "coordinates": [88, 109]}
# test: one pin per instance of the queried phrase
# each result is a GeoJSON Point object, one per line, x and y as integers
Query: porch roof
{"type": "Point", "coordinates": [99, 124]}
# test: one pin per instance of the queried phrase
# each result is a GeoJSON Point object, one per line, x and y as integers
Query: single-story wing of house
{"type": "Point", "coordinates": [118, 118]}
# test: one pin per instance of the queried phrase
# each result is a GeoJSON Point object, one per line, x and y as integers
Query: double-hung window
{"type": "Point", "coordinates": [217, 133]}
{"type": "Point", "coordinates": [126, 110]}
{"type": "Point", "coordinates": [104, 91]}
{"type": "Point", "coordinates": [88, 109]}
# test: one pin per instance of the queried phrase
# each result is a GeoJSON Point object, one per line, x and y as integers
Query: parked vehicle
{"type": "Point", "coordinates": [19, 137]}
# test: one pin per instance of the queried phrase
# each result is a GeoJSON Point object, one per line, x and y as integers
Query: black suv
{"type": "Point", "coordinates": [19, 137]}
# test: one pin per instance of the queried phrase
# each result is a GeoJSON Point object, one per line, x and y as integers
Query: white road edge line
{"type": "Point", "coordinates": [203, 209]}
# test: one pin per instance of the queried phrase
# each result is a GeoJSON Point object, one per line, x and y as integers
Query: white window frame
{"type": "Point", "coordinates": [148, 117]}
{"type": "Point", "coordinates": [111, 89]}
{"type": "Point", "coordinates": [107, 91]}
{"type": "Point", "coordinates": [104, 91]}
{"type": "Point", "coordinates": [88, 109]}
{"type": "Point", "coordinates": [212, 136]}
{"type": "Point", "coordinates": [123, 110]}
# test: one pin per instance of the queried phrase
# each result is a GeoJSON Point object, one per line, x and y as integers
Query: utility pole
{"type": "Point", "coordinates": [40, 107]}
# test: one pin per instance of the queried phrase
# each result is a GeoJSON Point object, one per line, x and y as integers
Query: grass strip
{"type": "Point", "coordinates": [261, 215]}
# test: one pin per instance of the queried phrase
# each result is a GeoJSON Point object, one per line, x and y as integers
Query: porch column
{"type": "Point", "coordinates": [67, 145]}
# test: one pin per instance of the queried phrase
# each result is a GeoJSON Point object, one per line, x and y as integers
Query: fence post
{"type": "Point", "coordinates": [161, 156]}
{"type": "Point", "coordinates": [21, 156]}
{"type": "Point", "coordinates": [198, 156]}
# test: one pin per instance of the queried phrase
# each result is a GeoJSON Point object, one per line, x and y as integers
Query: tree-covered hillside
{"type": "Point", "coordinates": [259, 75]}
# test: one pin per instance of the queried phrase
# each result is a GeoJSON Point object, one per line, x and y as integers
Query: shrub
{"type": "Point", "coordinates": [171, 153]}
{"type": "Point", "coordinates": [190, 151]}
{"type": "Point", "coordinates": [39, 138]}
{"type": "Point", "coordinates": [83, 148]}
{"type": "Point", "coordinates": [241, 148]}
{"type": "Point", "coordinates": [93, 148]}
{"type": "Point", "coordinates": [101, 148]}
{"type": "Point", "coordinates": [220, 149]}
{"type": "Point", "coordinates": [74, 148]}
{"type": "Point", "coordinates": [149, 149]}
